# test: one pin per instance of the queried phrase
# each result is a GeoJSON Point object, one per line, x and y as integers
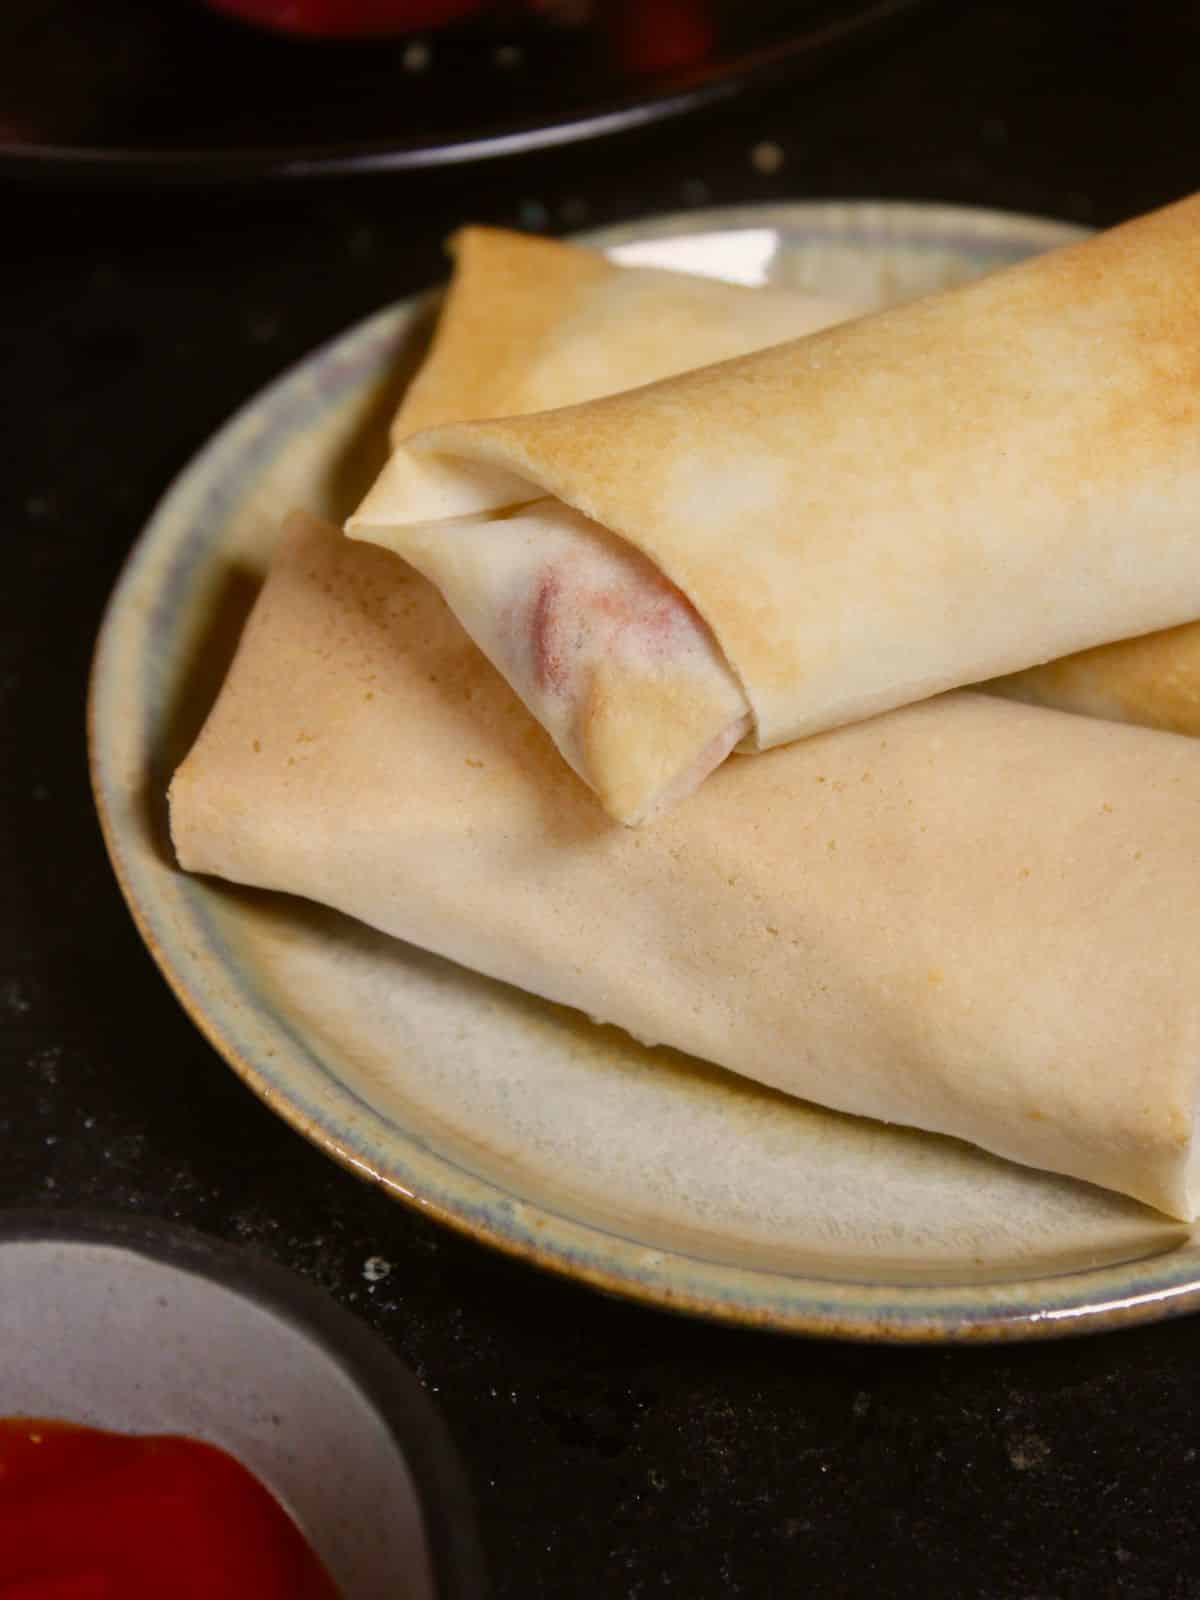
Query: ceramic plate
{"type": "Point", "coordinates": [642, 1172]}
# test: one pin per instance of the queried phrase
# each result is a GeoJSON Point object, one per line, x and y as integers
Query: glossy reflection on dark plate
{"type": "Point", "coordinates": [171, 88]}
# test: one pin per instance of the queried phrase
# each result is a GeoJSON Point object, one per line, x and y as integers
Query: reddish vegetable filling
{"type": "Point", "coordinates": [647, 618]}
{"type": "Point", "coordinates": [88, 1515]}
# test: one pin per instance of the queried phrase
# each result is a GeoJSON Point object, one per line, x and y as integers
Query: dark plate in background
{"type": "Point", "coordinates": [167, 89]}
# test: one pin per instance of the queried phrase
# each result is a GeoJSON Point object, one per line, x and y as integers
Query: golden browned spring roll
{"type": "Point", "coordinates": [931, 496]}
{"type": "Point", "coordinates": [1153, 680]}
{"type": "Point", "coordinates": [969, 915]}
{"type": "Point", "coordinates": [591, 635]}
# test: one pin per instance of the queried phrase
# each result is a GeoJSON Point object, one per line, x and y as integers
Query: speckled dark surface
{"type": "Point", "coordinates": [614, 1452]}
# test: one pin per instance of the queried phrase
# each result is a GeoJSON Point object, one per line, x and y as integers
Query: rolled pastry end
{"type": "Point", "coordinates": [611, 658]}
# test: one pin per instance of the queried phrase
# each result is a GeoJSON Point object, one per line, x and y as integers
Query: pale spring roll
{"type": "Point", "coordinates": [590, 633]}
{"type": "Point", "coordinates": [611, 657]}
{"type": "Point", "coordinates": [969, 916]}
{"type": "Point", "coordinates": [931, 496]}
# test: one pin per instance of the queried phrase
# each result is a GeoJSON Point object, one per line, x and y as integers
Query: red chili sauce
{"type": "Point", "coordinates": [87, 1515]}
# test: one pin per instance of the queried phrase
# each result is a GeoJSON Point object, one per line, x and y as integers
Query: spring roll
{"type": "Point", "coordinates": [592, 635]}
{"type": "Point", "coordinates": [531, 324]}
{"type": "Point", "coordinates": [1153, 680]}
{"type": "Point", "coordinates": [969, 915]}
{"type": "Point", "coordinates": [934, 495]}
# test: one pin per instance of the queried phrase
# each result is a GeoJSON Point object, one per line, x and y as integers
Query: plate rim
{"type": "Point", "coordinates": [1091, 1300]}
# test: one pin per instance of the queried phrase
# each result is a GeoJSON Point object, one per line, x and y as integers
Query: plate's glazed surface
{"type": "Point", "coordinates": [640, 1171]}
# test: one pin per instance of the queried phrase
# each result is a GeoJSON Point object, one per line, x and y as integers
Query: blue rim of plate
{"type": "Point", "coordinates": [173, 912]}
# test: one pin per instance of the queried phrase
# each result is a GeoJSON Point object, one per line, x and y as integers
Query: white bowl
{"type": "Point", "coordinates": [144, 1327]}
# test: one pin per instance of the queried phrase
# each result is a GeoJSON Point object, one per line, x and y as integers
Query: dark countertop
{"type": "Point", "coordinates": [614, 1451]}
